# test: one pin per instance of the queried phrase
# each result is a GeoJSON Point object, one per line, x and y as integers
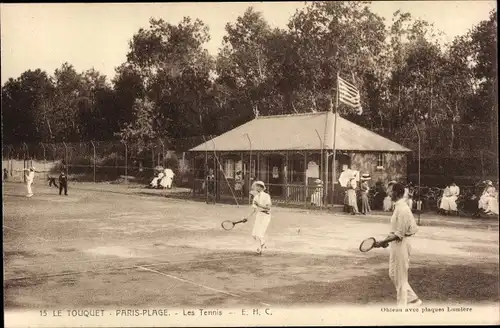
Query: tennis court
{"type": "Point", "coordinates": [107, 246]}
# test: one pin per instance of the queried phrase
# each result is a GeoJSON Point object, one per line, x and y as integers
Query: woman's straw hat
{"type": "Point", "coordinates": [366, 176]}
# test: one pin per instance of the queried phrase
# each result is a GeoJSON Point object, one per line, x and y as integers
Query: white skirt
{"type": "Point", "coordinates": [262, 221]}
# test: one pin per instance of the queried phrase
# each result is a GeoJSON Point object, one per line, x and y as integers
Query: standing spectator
{"type": "Point", "coordinates": [211, 185]}
{"type": "Point", "coordinates": [408, 196]}
{"type": "Point", "coordinates": [352, 200]}
{"type": "Point", "coordinates": [238, 184]}
{"type": "Point", "coordinates": [365, 188]}
{"type": "Point", "coordinates": [317, 196]}
{"type": "Point", "coordinates": [5, 174]}
{"type": "Point", "coordinates": [63, 183]}
{"type": "Point", "coordinates": [388, 203]}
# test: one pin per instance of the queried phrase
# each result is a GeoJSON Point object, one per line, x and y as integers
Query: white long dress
{"type": "Point", "coordinates": [449, 199]}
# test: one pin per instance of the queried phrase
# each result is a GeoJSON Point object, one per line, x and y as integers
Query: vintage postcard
{"type": "Point", "coordinates": [250, 164]}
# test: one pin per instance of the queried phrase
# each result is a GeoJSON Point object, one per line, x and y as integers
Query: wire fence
{"type": "Point", "coordinates": [99, 161]}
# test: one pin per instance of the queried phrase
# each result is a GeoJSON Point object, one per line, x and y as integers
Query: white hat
{"type": "Point", "coordinates": [32, 168]}
{"type": "Point", "coordinates": [318, 181]}
{"type": "Point", "coordinates": [260, 183]}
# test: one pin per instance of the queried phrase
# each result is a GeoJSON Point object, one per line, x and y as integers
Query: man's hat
{"type": "Point", "coordinates": [32, 168]}
{"type": "Point", "coordinates": [392, 182]}
{"type": "Point", "coordinates": [318, 181]}
{"type": "Point", "coordinates": [366, 176]}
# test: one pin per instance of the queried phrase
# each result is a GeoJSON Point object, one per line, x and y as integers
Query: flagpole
{"type": "Point", "coordinates": [334, 164]}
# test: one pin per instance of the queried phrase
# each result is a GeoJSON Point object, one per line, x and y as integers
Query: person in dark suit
{"type": "Point", "coordinates": [63, 183]}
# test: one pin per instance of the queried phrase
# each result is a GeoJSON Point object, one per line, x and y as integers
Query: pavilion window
{"type": "Point", "coordinates": [380, 161]}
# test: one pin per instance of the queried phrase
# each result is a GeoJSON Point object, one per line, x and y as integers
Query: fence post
{"type": "Point", "coordinates": [66, 157]}
{"type": "Point", "coordinates": [249, 169]}
{"type": "Point", "coordinates": [162, 153]}
{"type": "Point", "coordinates": [419, 201]}
{"type": "Point", "coordinates": [44, 159]}
{"type": "Point", "coordinates": [93, 148]}
{"type": "Point", "coordinates": [153, 158]}
{"type": "Point", "coordinates": [10, 159]}
{"type": "Point", "coordinates": [25, 147]}
{"type": "Point", "coordinates": [305, 179]}
{"type": "Point", "coordinates": [126, 162]}
{"type": "Point", "coordinates": [322, 174]}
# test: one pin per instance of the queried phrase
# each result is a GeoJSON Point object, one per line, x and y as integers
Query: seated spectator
{"type": "Point", "coordinates": [489, 199]}
{"type": "Point", "coordinates": [449, 199]}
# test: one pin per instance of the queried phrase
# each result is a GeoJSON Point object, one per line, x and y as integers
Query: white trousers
{"type": "Point", "coordinates": [260, 226]}
{"type": "Point", "coordinates": [399, 263]}
{"type": "Point", "coordinates": [28, 187]}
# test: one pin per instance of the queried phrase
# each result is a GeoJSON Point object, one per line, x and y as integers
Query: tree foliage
{"type": "Point", "coordinates": [170, 87]}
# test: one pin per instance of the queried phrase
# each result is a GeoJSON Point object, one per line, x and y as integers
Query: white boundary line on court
{"type": "Point", "coordinates": [75, 273]}
{"type": "Point", "coordinates": [27, 234]}
{"type": "Point", "coordinates": [195, 284]}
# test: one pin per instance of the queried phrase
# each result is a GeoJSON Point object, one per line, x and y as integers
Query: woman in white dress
{"type": "Point", "coordinates": [449, 199]}
{"type": "Point", "coordinates": [168, 177]}
{"type": "Point", "coordinates": [352, 200]}
{"type": "Point", "coordinates": [261, 205]}
{"type": "Point", "coordinates": [489, 199]}
{"type": "Point", "coordinates": [316, 197]}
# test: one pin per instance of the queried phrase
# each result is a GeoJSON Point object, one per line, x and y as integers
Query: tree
{"type": "Point", "coordinates": [144, 129]}
{"type": "Point", "coordinates": [168, 68]}
{"type": "Point", "coordinates": [23, 98]}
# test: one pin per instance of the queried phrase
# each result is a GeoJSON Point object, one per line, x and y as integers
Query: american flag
{"type": "Point", "coordinates": [349, 95]}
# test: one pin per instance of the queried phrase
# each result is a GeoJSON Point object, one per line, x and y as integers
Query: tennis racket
{"type": "Point", "coordinates": [228, 224]}
{"type": "Point", "coordinates": [368, 244]}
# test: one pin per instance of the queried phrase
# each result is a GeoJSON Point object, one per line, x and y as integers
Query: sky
{"type": "Point", "coordinates": [96, 35]}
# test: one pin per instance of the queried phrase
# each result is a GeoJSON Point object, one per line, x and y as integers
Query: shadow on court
{"type": "Point", "coordinates": [446, 283]}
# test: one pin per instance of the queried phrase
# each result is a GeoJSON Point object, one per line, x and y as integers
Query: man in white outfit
{"type": "Point", "coordinates": [403, 227]}
{"type": "Point", "coordinates": [30, 177]}
{"type": "Point", "coordinates": [262, 208]}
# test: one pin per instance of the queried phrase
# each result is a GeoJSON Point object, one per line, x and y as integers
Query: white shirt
{"type": "Point", "coordinates": [31, 176]}
{"type": "Point", "coordinates": [454, 190]}
{"type": "Point", "coordinates": [402, 221]}
{"type": "Point", "coordinates": [263, 199]}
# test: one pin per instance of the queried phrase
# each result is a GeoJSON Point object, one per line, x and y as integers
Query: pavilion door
{"type": "Point", "coordinates": [275, 175]}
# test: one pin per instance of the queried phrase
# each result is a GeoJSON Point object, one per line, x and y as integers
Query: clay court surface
{"type": "Point", "coordinates": [110, 246]}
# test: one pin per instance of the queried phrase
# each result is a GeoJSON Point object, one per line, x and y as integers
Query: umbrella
{"type": "Point", "coordinates": [346, 176]}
